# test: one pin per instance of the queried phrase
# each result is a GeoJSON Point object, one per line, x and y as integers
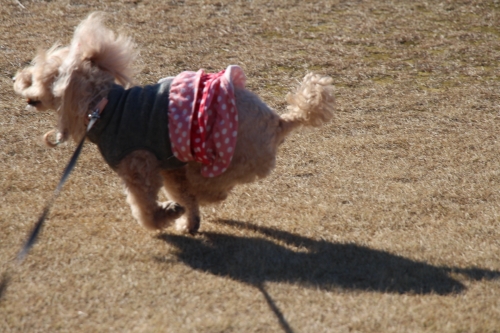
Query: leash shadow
{"type": "Point", "coordinates": [4, 282]}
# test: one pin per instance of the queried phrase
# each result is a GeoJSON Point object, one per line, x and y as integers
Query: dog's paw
{"type": "Point", "coordinates": [189, 225]}
{"type": "Point", "coordinates": [167, 213]}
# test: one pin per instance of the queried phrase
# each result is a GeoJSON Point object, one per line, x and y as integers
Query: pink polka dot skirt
{"type": "Point", "coordinates": [203, 119]}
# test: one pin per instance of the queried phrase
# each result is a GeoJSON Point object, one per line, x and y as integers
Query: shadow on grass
{"type": "Point", "coordinates": [300, 260]}
{"type": "Point", "coordinates": [278, 256]}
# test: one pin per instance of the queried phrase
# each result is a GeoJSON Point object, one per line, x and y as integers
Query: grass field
{"type": "Point", "coordinates": [385, 220]}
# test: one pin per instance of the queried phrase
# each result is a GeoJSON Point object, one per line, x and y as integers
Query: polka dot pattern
{"type": "Point", "coordinates": [203, 119]}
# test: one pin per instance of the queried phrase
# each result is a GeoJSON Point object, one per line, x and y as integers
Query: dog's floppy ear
{"type": "Point", "coordinates": [73, 88]}
{"type": "Point", "coordinates": [96, 59]}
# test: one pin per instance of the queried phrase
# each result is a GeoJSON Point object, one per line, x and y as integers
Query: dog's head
{"type": "Point", "coordinates": [35, 82]}
{"type": "Point", "coordinates": [72, 79]}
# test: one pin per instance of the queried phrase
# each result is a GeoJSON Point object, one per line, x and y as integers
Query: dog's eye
{"type": "Point", "coordinates": [33, 102]}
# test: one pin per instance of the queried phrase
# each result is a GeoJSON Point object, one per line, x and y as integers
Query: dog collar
{"type": "Point", "coordinates": [92, 117]}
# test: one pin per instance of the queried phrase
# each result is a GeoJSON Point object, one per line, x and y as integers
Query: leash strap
{"type": "Point", "coordinates": [94, 116]}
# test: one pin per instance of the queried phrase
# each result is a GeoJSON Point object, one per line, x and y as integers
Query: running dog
{"type": "Point", "coordinates": [196, 134]}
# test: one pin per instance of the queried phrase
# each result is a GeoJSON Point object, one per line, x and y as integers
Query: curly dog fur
{"type": "Point", "coordinates": [73, 79]}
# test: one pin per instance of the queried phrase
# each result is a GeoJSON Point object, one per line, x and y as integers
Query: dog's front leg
{"type": "Point", "coordinates": [141, 173]}
{"type": "Point", "coordinates": [179, 190]}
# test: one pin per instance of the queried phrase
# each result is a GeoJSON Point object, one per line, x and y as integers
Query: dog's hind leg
{"type": "Point", "coordinates": [140, 172]}
{"type": "Point", "coordinates": [179, 190]}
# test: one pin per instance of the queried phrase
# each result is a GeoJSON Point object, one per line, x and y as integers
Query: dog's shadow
{"type": "Point", "coordinates": [300, 260]}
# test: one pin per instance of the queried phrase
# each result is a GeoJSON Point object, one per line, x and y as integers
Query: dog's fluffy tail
{"type": "Point", "coordinates": [312, 104]}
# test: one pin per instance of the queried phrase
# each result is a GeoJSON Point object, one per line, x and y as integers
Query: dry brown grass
{"type": "Point", "coordinates": [387, 220]}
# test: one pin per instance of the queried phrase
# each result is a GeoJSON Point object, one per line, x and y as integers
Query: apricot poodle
{"type": "Point", "coordinates": [195, 134]}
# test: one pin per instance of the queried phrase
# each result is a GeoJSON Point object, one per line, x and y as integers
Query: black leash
{"type": "Point", "coordinates": [93, 117]}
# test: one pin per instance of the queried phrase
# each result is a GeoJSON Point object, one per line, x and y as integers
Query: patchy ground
{"type": "Point", "coordinates": [386, 220]}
